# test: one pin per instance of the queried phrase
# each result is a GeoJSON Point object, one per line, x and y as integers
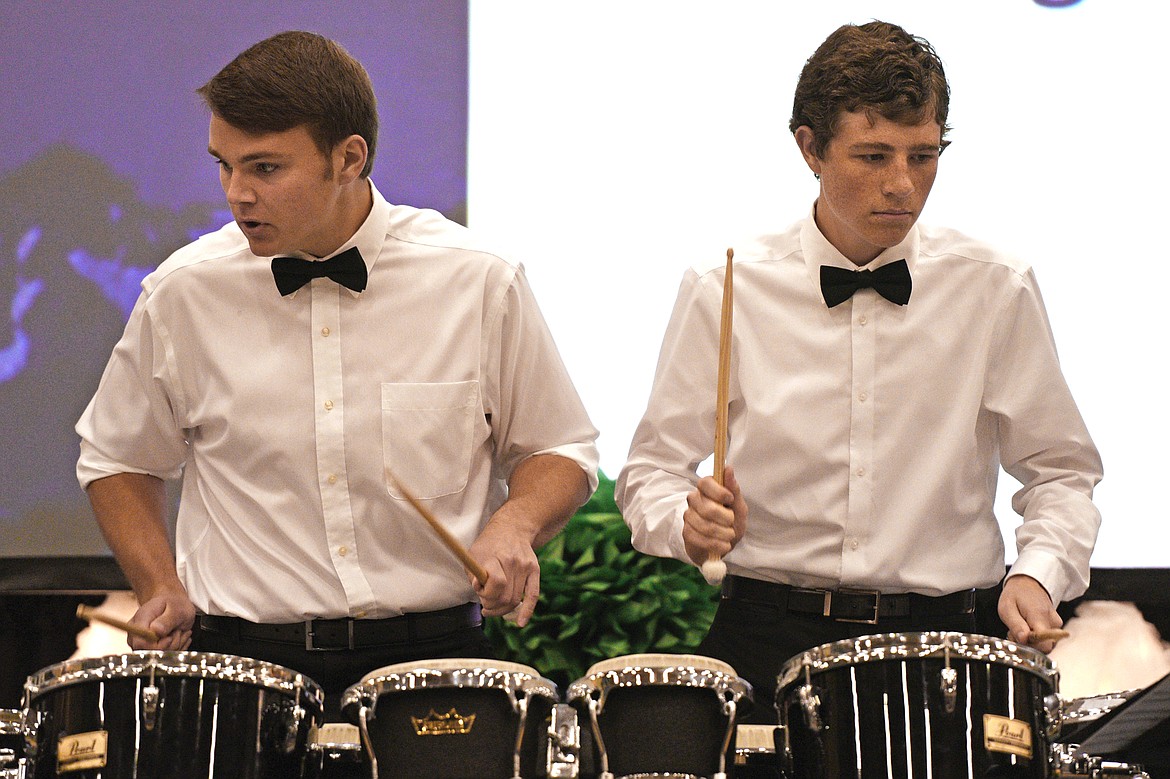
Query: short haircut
{"type": "Point", "coordinates": [876, 67]}
{"type": "Point", "coordinates": [292, 79]}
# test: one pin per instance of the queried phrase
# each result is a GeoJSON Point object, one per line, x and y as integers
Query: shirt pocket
{"type": "Point", "coordinates": [427, 433]}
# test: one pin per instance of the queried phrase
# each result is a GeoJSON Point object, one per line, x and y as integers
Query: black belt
{"type": "Point", "coordinates": [848, 605]}
{"type": "Point", "coordinates": [333, 634]}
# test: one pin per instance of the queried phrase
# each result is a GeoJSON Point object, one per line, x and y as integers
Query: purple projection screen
{"type": "Point", "coordinates": [106, 172]}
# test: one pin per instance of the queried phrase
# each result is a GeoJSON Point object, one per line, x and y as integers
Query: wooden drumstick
{"type": "Point", "coordinates": [714, 569]}
{"type": "Point", "coordinates": [450, 541]}
{"type": "Point", "coordinates": [1049, 634]}
{"type": "Point", "coordinates": [88, 613]}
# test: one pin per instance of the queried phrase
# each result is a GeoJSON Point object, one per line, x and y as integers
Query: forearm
{"type": "Point", "coordinates": [543, 493]}
{"type": "Point", "coordinates": [130, 509]}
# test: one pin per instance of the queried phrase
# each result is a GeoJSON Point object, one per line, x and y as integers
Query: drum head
{"type": "Point", "coordinates": [198, 665]}
{"type": "Point", "coordinates": [908, 646]}
{"type": "Point", "coordinates": [660, 661]}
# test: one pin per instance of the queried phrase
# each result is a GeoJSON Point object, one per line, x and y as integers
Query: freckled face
{"type": "Point", "coordinates": [283, 192]}
{"type": "Point", "coordinates": [875, 178]}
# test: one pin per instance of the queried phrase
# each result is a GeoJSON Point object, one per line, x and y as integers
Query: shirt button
{"type": "Point", "coordinates": [329, 405]}
{"type": "Point", "coordinates": [853, 543]}
{"type": "Point", "coordinates": [863, 320]}
{"type": "Point", "coordinates": [862, 396]}
{"type": "Point", "coordinates": [325, 331]}
{"type": "Point", "coordinates": [343, 550]}
{"type": "Point", "coordinates": [860, 471]}
{"type": "Point", "coordinates": [360, 615]}
{"type": "Point", "coordinates": [332, 479]}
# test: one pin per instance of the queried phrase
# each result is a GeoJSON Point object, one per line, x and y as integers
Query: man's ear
{"type": "Point", "coordinates": [807, 143]}
{"type": "Point", "coordinates": [350, 156]}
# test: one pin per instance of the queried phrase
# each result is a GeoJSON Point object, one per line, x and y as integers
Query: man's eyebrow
{"type": "Point", "coordinates": [877, 146]}
{"type": "Point", "coordinates": [252, 157]}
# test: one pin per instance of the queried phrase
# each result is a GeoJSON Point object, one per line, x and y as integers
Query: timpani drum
{"type": "Point", "coordinates": [918, 704]}
{"type": "Point", "coordinates": [658, 715]}
{"type": "Point", "coordinates": [167, 714]}
{"type": "Point", "coordinates": [455, 718]}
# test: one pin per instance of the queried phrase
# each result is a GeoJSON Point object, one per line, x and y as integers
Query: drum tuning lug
{"type": "Point", "coordinates": [949, 685]}
{"type": "Point", "coordinates": [564, 744]}
{"type": "Point", "coordinates": [30, 725]}
{"type": "Point", "coordinates": [150, 702]}
{"type": "Point", "coordinates": [811, 703]}
{"type": "Point", "coordinates": [298, 717]}
{"type": "Point", "coordinates": [1053, 715]}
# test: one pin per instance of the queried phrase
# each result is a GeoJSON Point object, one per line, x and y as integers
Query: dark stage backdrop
{"type": "Point", "coordinates": [105, 172]}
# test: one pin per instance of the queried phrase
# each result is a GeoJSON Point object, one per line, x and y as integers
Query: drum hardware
{"type": "Point", "coordinates": [150, 701]}
{"type": "Point", "coordinates": [563, 760]}
{"type": "Point", "coordinates": [1054, 715]}
{"type": "Point", "coordinates": [1069, 760]}
{"type": "Point", "coordinates": [948, 679]}
{"type": "Point", "coordinates": [364, 715]}
{"type": "Point", "coordinates": [810, 702]}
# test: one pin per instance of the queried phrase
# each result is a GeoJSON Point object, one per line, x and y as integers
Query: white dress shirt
{"type": "Point", "coordinates": [867, 438]}
{"type": "Point", "coordinates": [283, 415]}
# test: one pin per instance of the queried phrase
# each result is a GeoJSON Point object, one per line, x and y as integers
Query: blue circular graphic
{"type": "Point", "coordinates": [1056, 3]}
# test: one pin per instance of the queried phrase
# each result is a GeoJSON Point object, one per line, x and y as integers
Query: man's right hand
{"type": "Point", "coordinates": [715, 518]}
{"type": "Point", "coordinates": [171, 616]}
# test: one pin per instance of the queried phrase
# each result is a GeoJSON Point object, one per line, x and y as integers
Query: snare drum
{"type": "Point", "coordinates": [178, 715]}
{"type": "Point", "coordinates": [452, 719]}
{"type": "Point", "coordinates": [918, 704]}
{"type": "Point", "coordinates": [658, 715]}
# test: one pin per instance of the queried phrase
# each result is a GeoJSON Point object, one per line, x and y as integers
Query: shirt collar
{"type": "Point", "coordinates": [818, 251]}
{"type": "Point", "coordinates": [368, 239]}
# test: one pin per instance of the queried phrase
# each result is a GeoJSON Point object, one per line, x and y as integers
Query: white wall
{"type": "Point", "coordinates": [614, 142]}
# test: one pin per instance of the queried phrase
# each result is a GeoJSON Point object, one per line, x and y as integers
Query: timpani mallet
{"type": "Point", "coordinates": [714, 569]}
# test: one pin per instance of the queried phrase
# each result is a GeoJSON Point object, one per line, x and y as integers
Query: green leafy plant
{"type": "Point", "coordinates": [600, 598]}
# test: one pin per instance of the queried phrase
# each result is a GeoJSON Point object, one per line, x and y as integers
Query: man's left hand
{"type": "Point", "coordinates": [513, 583]}
{"type": "Point", "coordinates": [1026, 607]}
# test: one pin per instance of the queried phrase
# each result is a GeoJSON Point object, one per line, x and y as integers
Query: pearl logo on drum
{"type": "Point", "coordinates": [82, 751]}
{"type": "Point", "coordinates": [1010, 736]}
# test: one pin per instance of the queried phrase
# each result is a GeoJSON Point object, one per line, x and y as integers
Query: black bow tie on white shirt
{"type": "Point", "coordinates": [891, 281]}
{"type": "Point", "coordinates": [347, 269]}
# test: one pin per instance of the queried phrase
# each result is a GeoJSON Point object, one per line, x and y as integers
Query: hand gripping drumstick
{"type": "Point", "coordinates": [714, 569]}
{"type": "Point", "coordinates": [88, 613]}
{"type": "Point", "coordinates": [450, 541]}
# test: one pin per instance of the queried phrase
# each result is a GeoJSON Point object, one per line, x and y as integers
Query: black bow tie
{"type": "Point", "coordinates": [347, 269]}
{"type": "Point", "coordinates": [891, 281]}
